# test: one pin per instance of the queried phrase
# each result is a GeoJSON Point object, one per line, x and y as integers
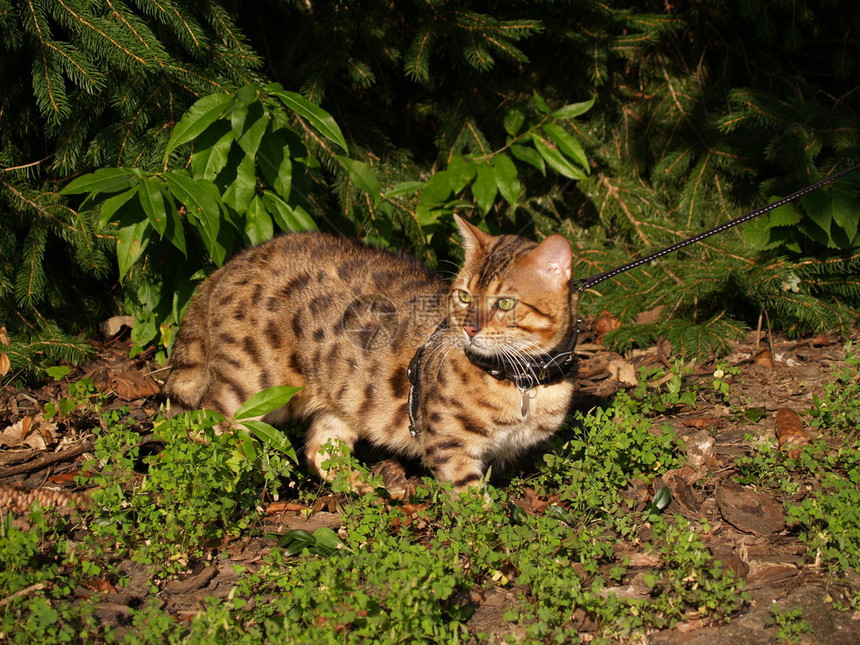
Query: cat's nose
{"type": "Point", "coordinates": [471, 330]}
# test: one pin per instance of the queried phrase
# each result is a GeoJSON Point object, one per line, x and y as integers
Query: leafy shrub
{"type": "Point", "coordinates": [250, 173]}
{"type": "Point", "coordinates": [609, 448]}
{"type": "Point", "coordinates": [194, 490]}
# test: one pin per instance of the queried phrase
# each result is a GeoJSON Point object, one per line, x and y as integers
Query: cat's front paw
{"type": "Point", "coordinates": [394, 479]}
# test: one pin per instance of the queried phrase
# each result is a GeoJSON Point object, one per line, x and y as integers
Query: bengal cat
{"type": "Point", "coordinates": [491, 353]}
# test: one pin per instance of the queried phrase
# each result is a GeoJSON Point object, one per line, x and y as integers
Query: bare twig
{"type": "Point", "coordinates": [21, 592]}
{"type": "Point", "coordinates": [47, 460]}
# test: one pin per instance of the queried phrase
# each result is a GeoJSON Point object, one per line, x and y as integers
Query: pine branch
{"type": "Point", "coordinates": [30, 281]}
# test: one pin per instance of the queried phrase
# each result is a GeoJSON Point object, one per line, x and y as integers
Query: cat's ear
{"type": "Point", "coordinates": [474, 239]}
{"type": "Point", "coordinates": [552, 259]}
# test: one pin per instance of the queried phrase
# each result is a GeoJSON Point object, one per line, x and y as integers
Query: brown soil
{"type": "Point", "coordinates": [39, 457]}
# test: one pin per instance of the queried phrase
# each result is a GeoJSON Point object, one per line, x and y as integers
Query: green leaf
{"type": "Point", "coordinates": [152, 202]}
{"type": "Point", "coordinates": [362, 175]}
{"type": "Point", "coordinates": [111, 205]}
{"type": "Point", "coordinates": [211, 151]}
{"type": "Point", "coordinates": [327, 538]}
{"type": "Point", "coordinates": [175, 231]}
{"type": "Point", "coordinates": [460, 172]}
{"type": "Point", "coordinates": [556, 160]}
{"type": "Point", "coordinates": [306, 222]}
{"type": "Point", "coordinates": [529, 156]}
{"type": "Point", "coordinates": [785, 215]}
{"type": "Point", "coordinates": [568, 144]}
{"type": "Point", "coordinates": [506, 178]}
{"type": "Point", "coordinates": [404, 188]}
{"type": "Point", "coordinates": [514, 120]}
{"type": "Point", "coordinates": [846, 213]}
{"type": "Point", "coordinates": [58, 372]}
{"type": "Point", "coordinates": [484, 189]}
{"type": "Point", "coordinates": [270, 436]}
{"type": "Point", "coordinates": [321, 120]}
{"type": "Point", "coordinates": [248, 449]}
{"type": "Point", "coordinates": [818, 207]}
{"type": "Point", "coordinates": [518, 514]}
{"type": "Point", "coordinates": [287, 218]}
{"type": "Point", "coordinates": [200, 418]}
{"type": "Point", "coordinates": [573, 109]}
{"type": "Point", "coordinates": [757, 234]}
{"type": "Point", "coordinates": [241, 190]}
{"type": "Point", "coordinates": [265, 401]}
{"type": "Point", "coordinates": [296, 540]}
{"type": "Point", "coordinates": [103, 180]}
{"type": "Point", "coordinates": [437, 189]}
{"type": "Point", "coordinates": [258, 223]}
{"type": "Point", "coordinates": [198, 117]}
{"type": "Point", "coordinates": [754, 415]}
{"type": "Point", "coordinates": [275, 161]}
{"type": "Point", "coordinates": [540, 104]}
{"type": "Point", "coordinates": [249, 126]}
{"type": "Point", "coordinates": [132, 240]}
{"type": "Point", "coordinates": [201, 200]}
{"type": "Point", "coordinates": [662, 498]}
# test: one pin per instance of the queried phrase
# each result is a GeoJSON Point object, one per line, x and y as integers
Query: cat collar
{"type": "Point", "coordinates": [547, 369]}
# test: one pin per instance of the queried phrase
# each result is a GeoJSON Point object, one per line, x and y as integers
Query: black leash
{"type": "Point", "coordinates": [585, 283]}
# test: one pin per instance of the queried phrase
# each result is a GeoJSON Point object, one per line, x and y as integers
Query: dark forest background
{"type": "Point", "coordinates": [141, 143]}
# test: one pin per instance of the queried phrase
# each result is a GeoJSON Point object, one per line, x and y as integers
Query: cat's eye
{"type": "Point", "coordinates": [464, 296]}
{"type": "Point", "coordinates": [506, 304]}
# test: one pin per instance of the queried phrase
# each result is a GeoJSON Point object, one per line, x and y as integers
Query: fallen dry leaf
{"type": "Point", "coordinates": [101, 585]}
{"type": "Point", "coordinates": [112, 326]}
{"type": "Point", "coordinates": [4, 337]}
{"type": "Point", "coordinates": [593, 367]}
{"type": "Point", "coordinates": [649, 559]}
{"type": "Point", "coordinates": [789, 431]}
{"type": "Point", "coordinates": [650, 316]}
{"type": "Point", "coordinates": [770, 574]}
{"type": "Point", "coordinates": [5, 364]}
{"type": "Point", "coordinates": [765, 359]}
{"type": "Point", "coordinates": [394, 479]}
{"type": "Point", "coordinates": [281, 507]}
{"type": "Point", "coordinates": [664, 350]}
{"type": "Point", "coordinates": [700, 449]}
{"type": "Point", "coordinates": [63, 478]}
{"type": "Point", "coordinates": [684, 496]}
{"type": "Point", "coordinates": [33, 432]}
{"type": "Point", "coordinates": [533, 503]}
{"type": "Point", "coordinates": [131, 385]}
{"type": "Point", "coordinates": [193, 582]}
{"type": "Point", "coordinates": [606, 323]}
{"type": "Point", "coordinates": [16, 434]}
{"type": "Point", "coordinates": [699, 422]}
{"type": "Point", "coordinates": [280, 524]}
{"type": "Point", "coordinates": [623, 372]}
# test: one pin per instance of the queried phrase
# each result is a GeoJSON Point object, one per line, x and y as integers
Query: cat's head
{"type": "Point", "coordinates": [512, 293]}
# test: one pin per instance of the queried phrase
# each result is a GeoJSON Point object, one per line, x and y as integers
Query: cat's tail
{"type": "Point", "coordinates": [189, 374]}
